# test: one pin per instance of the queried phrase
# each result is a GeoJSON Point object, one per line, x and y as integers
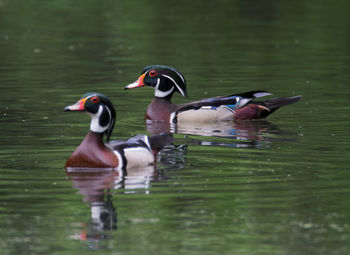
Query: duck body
{"type": "Point", "coordinates": [166, 80]}
{"type": "Point", "coordinates": [230, 108]}
{"type": "Point", "coordinates": [93, 153]}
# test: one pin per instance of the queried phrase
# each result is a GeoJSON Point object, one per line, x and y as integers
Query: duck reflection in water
{"type": "Point", "coordinates": [248, 133]}
{"type": "Point", "coordinates": [97, 187]}
{"type": "Point", "coordinates": [97, 190]}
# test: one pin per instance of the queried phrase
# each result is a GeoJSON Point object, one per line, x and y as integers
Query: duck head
{"type": "Point", "coordinates": [101, 110]}
{"type": "Point", "coordinates": [165, 80]}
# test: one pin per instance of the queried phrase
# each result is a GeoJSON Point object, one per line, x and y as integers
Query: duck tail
{"type": "Point", "coordinates": [274, 103]}
{"type": "Point", "coordinates": [262, 109]}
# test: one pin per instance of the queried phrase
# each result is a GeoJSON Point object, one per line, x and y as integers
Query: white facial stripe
{"type": "Point", "coordinates": [91, 96]}
{"type": "Point", "coordinates": [159, 93]}
{"type": "Point", "coordinates": [178, 87]}
{"type": "Point", "coordinates": [158, 82]}
{"type": "Point", "coordinates": [182, 78]}
{"type": "Point", "coordinates": [95, 121]}
{"type": "Point", "coordinates": [110, 117]}
{"type": "Point", "coordinates": [109, 113]}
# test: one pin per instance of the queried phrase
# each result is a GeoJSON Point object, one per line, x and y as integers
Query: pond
{"type": "Point", "coordinates": [275, 186]}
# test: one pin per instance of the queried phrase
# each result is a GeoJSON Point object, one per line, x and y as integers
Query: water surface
{"type": "Point", "coordinates": [270, 187]}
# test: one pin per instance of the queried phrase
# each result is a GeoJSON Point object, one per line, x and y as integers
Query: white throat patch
{"type": "Point", "coordinates": [95, 121]}
{"type": "Point", "coordinates": [159, 93]}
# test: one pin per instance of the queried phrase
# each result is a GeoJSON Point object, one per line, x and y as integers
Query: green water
{"type": "Point", "coordinates": [276, 187]}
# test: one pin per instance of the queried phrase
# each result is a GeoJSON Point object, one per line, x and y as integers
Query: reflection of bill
{"type": "Point", "coordinates": [103, 218]}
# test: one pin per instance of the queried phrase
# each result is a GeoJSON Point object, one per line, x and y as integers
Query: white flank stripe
{"type": "Point", "coordinates": [172, 117]}
{"type": "Point", "coordinates": [146, 140]}
{"type": "Point", "coordinates": [120, 163]}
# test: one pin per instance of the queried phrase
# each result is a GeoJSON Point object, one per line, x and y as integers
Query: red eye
{"type": "Point", "coordinates": [152, 73]}
{"type": "Point", "coordinates": [94, 99]}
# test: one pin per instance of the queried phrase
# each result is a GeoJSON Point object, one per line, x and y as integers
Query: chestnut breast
{"type": "Point", "coordinates": [159, 110]}
{"type": "Point", "coordinates": [92, 153]}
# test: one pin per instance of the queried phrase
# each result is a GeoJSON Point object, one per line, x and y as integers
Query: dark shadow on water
{"type": "Point", "coordinates": [171, 157]}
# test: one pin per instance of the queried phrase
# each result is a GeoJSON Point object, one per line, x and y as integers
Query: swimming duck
{"type": "Point", "coordinates": [166, 80]}
{"type": "Point", "coordinates": [93, 153]}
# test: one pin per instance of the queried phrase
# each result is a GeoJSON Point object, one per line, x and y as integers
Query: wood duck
{"type": "Point", "coordinates": [166, 80]}
{"type": "Point", "coordinates": [93, 153]}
